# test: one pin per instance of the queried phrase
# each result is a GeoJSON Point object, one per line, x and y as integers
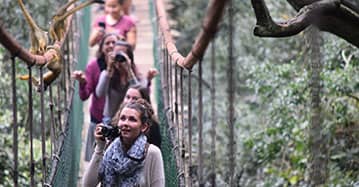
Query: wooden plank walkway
{"type": "Point", "coordinates": [143, 59]}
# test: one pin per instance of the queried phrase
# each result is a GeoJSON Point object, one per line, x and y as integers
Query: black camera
{"type": "Point", "coordinates": [120, 57]}
{"type": "Point", "coordinates": [102, 24]}
{"type": "Point", "coordinates": [109, 131]}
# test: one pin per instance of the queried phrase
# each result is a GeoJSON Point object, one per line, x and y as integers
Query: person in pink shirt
{"type": "Point", "coordinates": [88, 82]}
{"type": "Point", "coordinates": [114, 20]}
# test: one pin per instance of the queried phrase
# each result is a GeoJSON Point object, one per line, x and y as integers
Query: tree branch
{"type": "Point", "coordinates": [17, 50]}
{"type": "Point", "coordinates": [340, 17]}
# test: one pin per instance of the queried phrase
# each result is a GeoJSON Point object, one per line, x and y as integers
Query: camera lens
{"type": "Point", "coordinates": [102, 24]}
{"type": "Point", "coordinates": [109, 131]}
{"type": "Point", "coordinates": [120, 58]}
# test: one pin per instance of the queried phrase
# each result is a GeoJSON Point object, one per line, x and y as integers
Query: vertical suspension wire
{"type": "Point", "coordinates": [65, 69]}
{"type": "Point", "coordinates": [190, 128]}
{"type": "Point", "coordinates": [200, 125]}
{"type": "Point", "coordinates": [167, 64]}
{"type": "Point", "coordinates": [164, 72]}
{"type": "Point", "coordinates": [58, 108]}
{"type": "Point", "coordinates": [52, 122]}
{"type": "Point", "coordinates": [32, 164]}
{"type": "Point", "coordinates": [43, 129]}
{"type": "Point", "coordinates": [170, 88]}
{"type": "Point", "coordinates": [178, 140]}
{"type": "Point", "coordinates": [213, 112]}
{"type": "Point", "coordinates": [183, 145]}
{"type": "Point", "coordinates": [231, 86]}
{"type": "Point", "coordinates": [15, 125]}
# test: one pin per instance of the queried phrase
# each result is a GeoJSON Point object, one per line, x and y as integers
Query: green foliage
{"type": "Point", "coordinates": [13, 20]}
{"type": "Point", "coordinates": [272, 102]}
{"type": "Point", "coordinates": [7, 157]}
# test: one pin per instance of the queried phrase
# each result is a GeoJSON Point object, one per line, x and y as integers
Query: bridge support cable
{"type": "Point", "coordinates": [231, 93]}
{"type": "Point", "coordinates": [200, 126]}
{"type": "Point", "coordinates": [43, 128]}
{"type": "Point", "coordinates": [14, 123]}
{"type": "Point", "coordinates": [213, 116]}
{"type": "Point", "coordinates": [178, 125]}
{"type": "Point", "coordinates": [183, 135]}
{"type": "Point", "coordinates": [189, 122]}
{"type": "Point", "coordinates": [30, 123]}
{"type": "Point", "coordinates": [52, 123]}
{"type": "Point", "coordinates": [180, 105]}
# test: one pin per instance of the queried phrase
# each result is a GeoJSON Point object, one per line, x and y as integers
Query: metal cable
{"type": "Point", "coordinates": [231, 90]}
{"type": "Point", "coordinates": [214, 117]}
{"type": "Point", "coordinates": [15, 125]}
{"type": "Point", "coordinates": [183, 145]}
{"type": "Point", "coordinates": [190, 128]}
{"type": "Point", "coordinates": [43, 129]}
{"type": "Point", "coordinates": [200, 125]}
{"type": "Point", "coordinates": [32, 164]}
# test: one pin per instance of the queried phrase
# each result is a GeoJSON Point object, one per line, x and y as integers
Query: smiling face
{"type": "Point", "coordinates": [130, 125]}
{"type": "Point", "coordinates": [113, 8]}
{"type": "Point", "coordinates": [109, 44]}
{"type": "Point", "coordinates": [131, 95]}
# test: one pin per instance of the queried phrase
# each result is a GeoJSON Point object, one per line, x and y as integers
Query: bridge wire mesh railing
{"type": "Point", "coordinates": [59, 135]}
{"type": "Point", "coordinates": [188, 122]}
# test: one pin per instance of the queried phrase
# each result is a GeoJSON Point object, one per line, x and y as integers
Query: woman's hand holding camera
{"type": "Point", "coordinates": [100, 140]}
{"type": "Point", "coordinates": [110, 64]}
{"type": "Point", "coordinates": [98, 133]}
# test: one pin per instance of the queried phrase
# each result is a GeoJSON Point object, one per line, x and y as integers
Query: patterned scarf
{"type": "Point", "coordinates": [122, 169]}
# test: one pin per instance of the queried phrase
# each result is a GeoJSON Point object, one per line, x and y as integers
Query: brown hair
{"type": "Point", "coordinates": [143, 91]}
{"type": "Point", "coordinates": [142, 106]}
{"type": "Point", "coordinates": [99, 53]}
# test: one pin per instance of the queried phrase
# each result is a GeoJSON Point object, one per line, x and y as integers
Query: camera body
{"type": "Point", "coordinates": [102, 24]}
{"type": "Point", "coordinates": [119, 57]}
{"type": "Point", "coordinates": [109, 131]}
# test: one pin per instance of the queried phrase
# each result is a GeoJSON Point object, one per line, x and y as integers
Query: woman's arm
{"type": "Point", "coordinates": [103, 84]}
{"type": "Point", "coordinates": [157, 174]}
{"type": "Point", "coordinates": [132, 37]}
{"type": "Point", "coordinates": [96, 36]}
{"type": "Point", "coordinates": [90, 178]}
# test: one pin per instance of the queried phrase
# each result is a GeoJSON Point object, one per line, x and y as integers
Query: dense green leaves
{"type": "Point", "coordinates": [272, 102]}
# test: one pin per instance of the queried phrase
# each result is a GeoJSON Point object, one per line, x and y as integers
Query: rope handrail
{"type": "Point", "coordinates": [209, 28]}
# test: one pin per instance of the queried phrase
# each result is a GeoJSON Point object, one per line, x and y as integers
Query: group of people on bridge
{"type": "Point", "coordinates": [123, 141]}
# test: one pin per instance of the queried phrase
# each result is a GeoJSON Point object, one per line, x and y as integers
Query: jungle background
{"type": "Point", "coordinates": [273, 100]}
{"type": "Point", "coordinates": [272, 103]}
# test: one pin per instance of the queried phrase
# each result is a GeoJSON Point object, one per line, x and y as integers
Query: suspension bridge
{"type": "Point", "coordinates": [62, 111]}
{"type": "Point", "coordinates": [185, 100]}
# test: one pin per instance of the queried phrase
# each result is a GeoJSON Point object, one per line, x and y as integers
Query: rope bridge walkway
{"type": "Point", "coordinates": [61, 113]}
{"type": "Point", "coordinates": [182, 120]}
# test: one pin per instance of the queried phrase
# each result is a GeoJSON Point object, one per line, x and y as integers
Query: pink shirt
{"type": "Point", "coordinates": [88, 88]}
{"type": "Point", "coordinates": [121, 27]}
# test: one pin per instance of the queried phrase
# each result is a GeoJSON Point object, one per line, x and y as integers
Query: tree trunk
{"type": "Point", "coordinates": [317, 137]}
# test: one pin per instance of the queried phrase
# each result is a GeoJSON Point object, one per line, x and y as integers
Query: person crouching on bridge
{"type": "Point", "coordinates": [128, 160]}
